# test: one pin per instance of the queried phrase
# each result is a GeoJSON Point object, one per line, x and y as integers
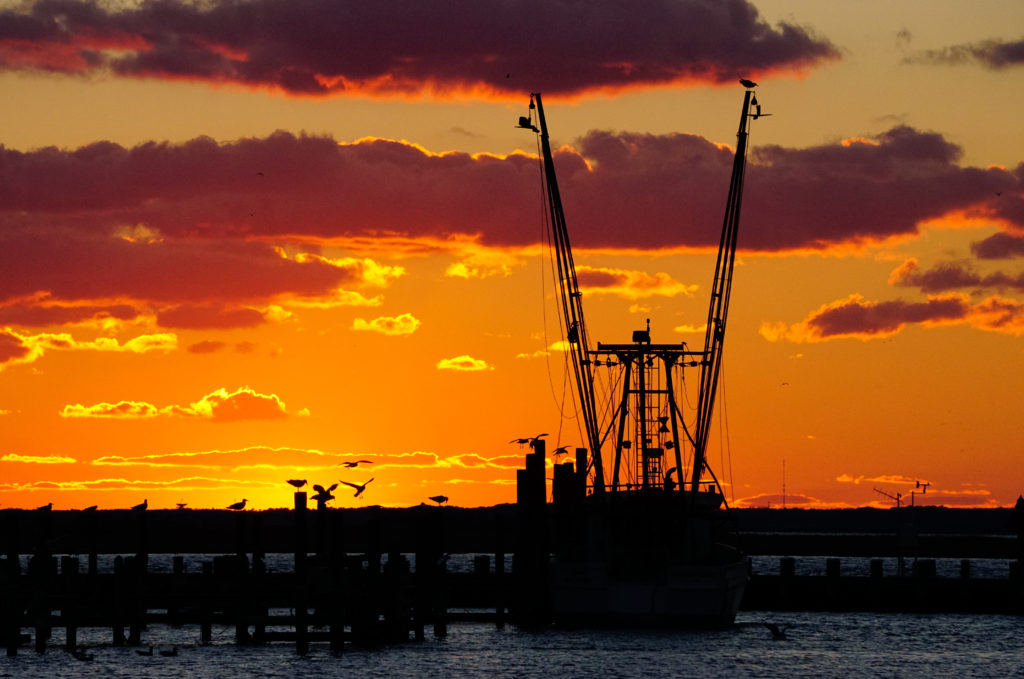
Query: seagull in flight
{"type": "Point", "coordinates": [353, 464]}
{"type": "Point", "coordinates": [359, 487]}
{"type": "Point", "coordinates": [562, 450]}
{"type": "Point", "coordinates": [238, 506]}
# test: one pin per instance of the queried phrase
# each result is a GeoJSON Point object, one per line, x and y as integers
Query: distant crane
{"type": "Point", "coordinates": [898, 496]}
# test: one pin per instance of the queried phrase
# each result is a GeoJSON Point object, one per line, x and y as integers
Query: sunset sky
{"type": "Point", "coordinates": [242, 242]}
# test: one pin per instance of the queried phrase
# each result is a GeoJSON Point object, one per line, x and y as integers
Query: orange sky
{"type": "Point", "coordinates": [233, 257]}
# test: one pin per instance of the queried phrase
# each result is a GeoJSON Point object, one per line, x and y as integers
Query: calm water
{"type": "Point", "coordinates": [818, 644]}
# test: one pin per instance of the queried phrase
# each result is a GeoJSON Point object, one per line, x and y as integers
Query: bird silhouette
{"type": "Point", "coordinates": [45, 508]}
{"type": "Point", "coordinates": [778, 634]}
{"type": "Point", "coordinates": [359, 487]}
{"type": "Point", "coordinates": [439, 499]}
{"type": "Point", "coordinates": [91, 508]}
{"type": "Point", "coordinates": [520, 441]}
{"type": "Point", "coordinates": [356, 463]}
{"type": "Point", "coordinates": [748, 83]}
{"type": "Point", "coordinates": [561, 450]}
{"type": "Point", "coordinates": [143, 506]}
{"type": "Point", "coordinates": [298, 483]}
{"type": "Point", "coordinates": [238, 505]}
{"type": "Point", "coordinates": [182, 505]}
{"type": "Point", "coordinates": [324, 494]}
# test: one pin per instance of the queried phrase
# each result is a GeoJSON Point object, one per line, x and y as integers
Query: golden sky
{"type": "Point", "coordinates": [246, 242]}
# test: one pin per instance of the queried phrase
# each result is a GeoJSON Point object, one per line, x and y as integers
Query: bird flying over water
{"type": "Point", "coordinates": [439, 499]}
{"type": "Point", "coordinates": [354, 463]}
{"type": "Point", "coordinates": [359, 487]}
{"type": "Point", "coordinates": [238, 505]}
{"type": "Point", "coordinates": [298, 483]}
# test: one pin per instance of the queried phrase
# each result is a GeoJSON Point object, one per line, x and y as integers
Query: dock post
{"type": "Point", "coordinates": [259, 571]}
{"type": "Point", "coordinates": [499, 573]}
{"type": "Point", "coordinates": [177, 571]}
{"type": "Point", "coordinates": [337, 580]}
{"type": "Point", "coordinates": [205, 628]}
{"type": "Point", "coordinates": [301, 575]}
{"type": "Point", "coordinates": [69, 612]}
{"type": "Point", "coordinates": [117, 605]}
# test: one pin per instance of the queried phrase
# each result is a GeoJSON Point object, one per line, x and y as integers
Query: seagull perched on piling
{"type": "Point", "coordinates": [353, 464]}
{"type": "Point", "coordinates": [748, 83]}
{"type": "Point", "coordinates": [238, 506]}
{"type": "Point", "coordinates": [298, 483]}
{"type": "Point", "coordinates": [439, 499]}
{"type": "Point", "coordinates": [141, 507]}
{"type": "Point", "coordinates": [359, 487]}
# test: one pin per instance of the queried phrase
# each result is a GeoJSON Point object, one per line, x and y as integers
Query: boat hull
{"type": "Point", "coordinates": [691, 595]}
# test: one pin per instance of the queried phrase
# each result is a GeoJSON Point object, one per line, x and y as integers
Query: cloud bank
{"type": "Point", "coordinates": [318, 48]}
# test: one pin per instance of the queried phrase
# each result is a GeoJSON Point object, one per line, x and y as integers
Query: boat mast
{"type": "Point", "coordinates": [718, 309]}
{"type": "Point", "coordinates": [569, 294]}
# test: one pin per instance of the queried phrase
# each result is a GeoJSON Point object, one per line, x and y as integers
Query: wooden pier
{"type": "Point", "coordinates": [372, 577]}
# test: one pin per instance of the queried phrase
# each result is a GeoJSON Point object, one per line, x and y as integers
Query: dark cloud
{"type": "Point", "coordinates": [999, 246]}
{"type": "Point", "coordinates": [946, 276]}
{"type": "Point", "coordinates": [993, 54]}
{"type": "Point", "coordinates": [206, 347]}
{"type": "Point", "coordinates": [855, 316]}
{"type": "Point", "coordinates": [323, 47]}
{"type": "Point", "coordinates": [209, 316]}
{"type": "Point", "coordinates": [30, 315]}
{"type": "Point", "coordinates": [11, 347]}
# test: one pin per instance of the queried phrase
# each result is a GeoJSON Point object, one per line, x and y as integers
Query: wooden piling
{"type": "Point", "coordinates": [499, 572]}
{"type": "Point", "coordinates": [301, 576]}
{"type": "Point", "coordinates": [69, 609]}
{"type": "Point", "coordinates": [205, 614]}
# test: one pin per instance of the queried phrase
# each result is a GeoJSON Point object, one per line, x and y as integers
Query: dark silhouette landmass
{"type": "Point", "coordinates": [937, 531]}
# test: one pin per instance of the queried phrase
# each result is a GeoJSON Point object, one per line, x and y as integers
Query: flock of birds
{"type": "Point", "coordinates": [322, 494]}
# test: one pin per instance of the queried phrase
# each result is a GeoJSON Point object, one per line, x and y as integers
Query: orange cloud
{"type": "Point", "coordinates": [406, 324]}
{"type": "Point", "coordinates": [218, 406]}
{"type": "Point", "coordinates": [38, 459]}
{"type": "Point", "coordinates": [463, 363]}
{"type": "Point", "coordinates": [17, 348]}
